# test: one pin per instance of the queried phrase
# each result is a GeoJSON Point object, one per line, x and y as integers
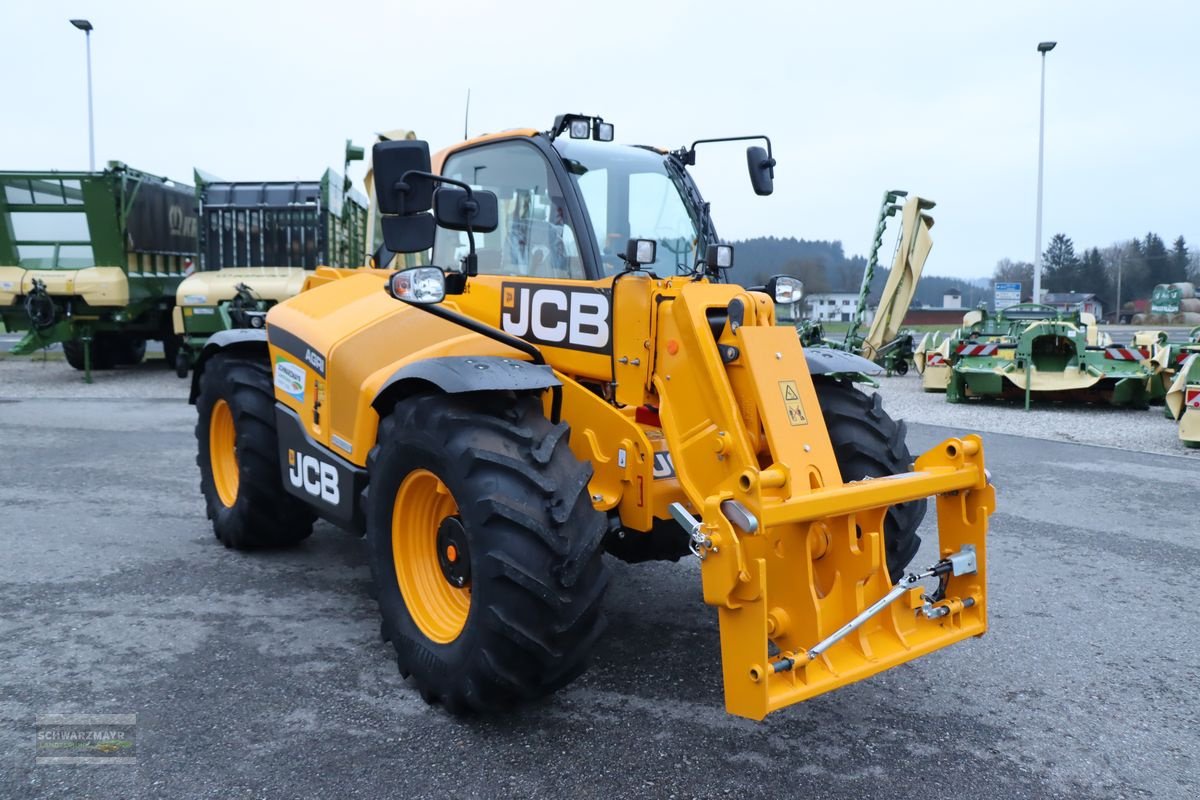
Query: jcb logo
{"type": "Point", "coordinates": [558, 316]}
{"type": "Point", "coordinates": [664, 467]}
{"type": "Point", "coordinates": [314, 476]}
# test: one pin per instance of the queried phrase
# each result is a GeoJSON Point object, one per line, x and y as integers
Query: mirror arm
{"type": "Point", "coordinates": [470, 261]}
{"type": "Point", "coordinates": [688, 154]}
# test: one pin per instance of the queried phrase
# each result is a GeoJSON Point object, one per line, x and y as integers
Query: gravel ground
{"type": "Point", "coordinates": [1146, 431]}
{"type": "Point", "coordinates": [50, 377]}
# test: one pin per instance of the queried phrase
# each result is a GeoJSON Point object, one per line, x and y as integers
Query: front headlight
{"type": "Point", "coordinates": [421, 285]}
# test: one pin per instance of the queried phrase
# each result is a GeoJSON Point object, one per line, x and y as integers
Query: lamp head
{"type": "Point", "coordinates": [1046, 47]}
{"type": "Point", "coordinates": [82, 24]}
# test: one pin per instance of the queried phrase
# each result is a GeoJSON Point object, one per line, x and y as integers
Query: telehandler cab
{"type": "Point", "coordinates": [577, 377]}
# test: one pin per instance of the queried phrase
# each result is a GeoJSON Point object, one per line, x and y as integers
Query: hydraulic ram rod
{"type": "Point", "coordinates": [962, 563]}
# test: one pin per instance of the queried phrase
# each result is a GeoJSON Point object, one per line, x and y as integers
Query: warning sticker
{"type": "Point", "coordinates": [791, 402]}
{"type": "Point", "coordinates": [1192, 398]}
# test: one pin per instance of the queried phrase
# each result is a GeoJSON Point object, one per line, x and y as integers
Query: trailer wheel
{"type": "Point", "coordinates": [128, 351]}
{"type": "Point", "coordinates": [103, 353]}
{"type": "Point", "coordinates": [869, 443]}
{"type": "Point", "coordinates": [238, 456]}
{"type": "Point", "coordinates": [172, 345]}
{"type": "Point", "coordinates": [485, 550]}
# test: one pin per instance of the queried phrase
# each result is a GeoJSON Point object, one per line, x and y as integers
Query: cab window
{"type": "Point", "coordinates": [535, 237]}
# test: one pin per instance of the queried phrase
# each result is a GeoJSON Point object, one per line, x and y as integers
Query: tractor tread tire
{"type": "Point", "coordinates": [264, 514]}
{"type": "Point", "coordinates": [869, 443]}
{"type": "Point", "coordinates": [537, 576]}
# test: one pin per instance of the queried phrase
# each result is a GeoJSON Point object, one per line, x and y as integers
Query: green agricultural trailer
{"type": "Point", "coordinates": [92, 260]}
{"type": "Point", "coordinates": [259, 242]}
{"type": "Point", "coordinates": [1032, 349]}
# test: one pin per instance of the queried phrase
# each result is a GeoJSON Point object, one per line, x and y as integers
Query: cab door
{"type": "Point", "coordinates": [537, 278]}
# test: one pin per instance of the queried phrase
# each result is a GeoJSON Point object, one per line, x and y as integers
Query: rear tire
{"type": "Point", "coordinates": [238, 455]}
{"type": "Point", "coordinates": [501, 478]}
{"type": "Point", "coordinates": [869, 443]}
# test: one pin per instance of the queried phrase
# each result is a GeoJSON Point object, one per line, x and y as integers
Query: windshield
{"type": "Point", "coordinates": [629, 193]}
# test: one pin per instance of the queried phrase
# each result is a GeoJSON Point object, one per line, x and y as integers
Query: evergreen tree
{"type": "Point", "coordinates": [1060, 265]}
{"type": "Point", "coordinates": [1179, 261]}
{"type": "Point", "coordinates": [1094, 278]}
{"type": "Point", "coordinates": [1158, 260]}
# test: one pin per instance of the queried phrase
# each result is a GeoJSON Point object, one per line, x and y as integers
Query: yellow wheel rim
{"type": "Point", "coordinates": [438, 609]}
{"type": "Point", "coordinates": [222, 453]}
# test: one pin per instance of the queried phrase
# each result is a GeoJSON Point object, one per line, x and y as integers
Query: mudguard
{"type": "Point", "coordinates": [223, 340]}
{"type": "Point", "coordinates": [826, 360]}
{"type": "Point", "coordinates": [458, 374]}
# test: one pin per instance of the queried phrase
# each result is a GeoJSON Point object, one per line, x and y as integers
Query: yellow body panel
{"type": "Point", "coordinates": [11, 279]}
{"type": "Point", "coordinates": [269, 283]}
{"type": "Point", "coordinates": [1054, 381]}
{"type": "Point", "coordinates": [97, 286]}
{"type": "Point", "coordinates": [364, 336]}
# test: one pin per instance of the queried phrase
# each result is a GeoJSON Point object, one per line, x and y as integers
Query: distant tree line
{"type": "Point", "coordinates": [1133, 267]}
{"type": "Point", "coordinates": [824, 267]}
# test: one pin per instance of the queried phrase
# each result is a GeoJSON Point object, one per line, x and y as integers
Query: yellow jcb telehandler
{"type": "Point", "coordinates": [578, 377]}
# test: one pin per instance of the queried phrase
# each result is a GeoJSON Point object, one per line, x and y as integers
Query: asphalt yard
{"type": "Point", "coordinates": [263, 675]}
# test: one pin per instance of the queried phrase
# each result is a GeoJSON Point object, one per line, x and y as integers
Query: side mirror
{"type": "Point", "coordinates": [409, 234]}
{"type": "Point", "coordinates": [785, 290]}
{"type": "Point", "coordinates": [418, 285]}
{"type": "Point", "coordinates": [639, 252]}
{"type": "Point", "coordinates": [719, 256]}
{"type": "Point", "coordinates": [391, 162]}
{"type": "Point", "coordinates": [762, 170]}
{"type": "Point", "coordinates": [455, 209]}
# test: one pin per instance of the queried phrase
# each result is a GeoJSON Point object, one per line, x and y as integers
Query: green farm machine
{"type": "Point", "coordinates": [1030, 350]}
{"type": "Point", "coordinates": [884, 342]}
{"type": "Point", "coordinates": [1183, 397]}
{"type": "Point", "coordinates": [259, 241]}
{"type": "Point", "coordinates": [92, 260]}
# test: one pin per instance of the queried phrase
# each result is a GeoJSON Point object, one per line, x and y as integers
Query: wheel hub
{"type": "Point", "coordinates": [453, 555]}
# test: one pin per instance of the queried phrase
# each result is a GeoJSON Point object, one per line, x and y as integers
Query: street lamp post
{"type": "Point", "coordinates": [1043, 48]}
{"type": "Point", "coordinates": [86, 27]}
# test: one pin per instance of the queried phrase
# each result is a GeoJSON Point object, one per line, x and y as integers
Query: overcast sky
{"type": "Point", "coordinates": [939, 98]}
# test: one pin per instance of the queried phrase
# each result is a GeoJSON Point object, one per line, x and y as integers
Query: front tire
{"type": "Point", "coordinates": [485, 550]}
{"type": "Point", "coordinates": [870, 444]}
{"type": "Point", "coordinates": [238, 455]}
